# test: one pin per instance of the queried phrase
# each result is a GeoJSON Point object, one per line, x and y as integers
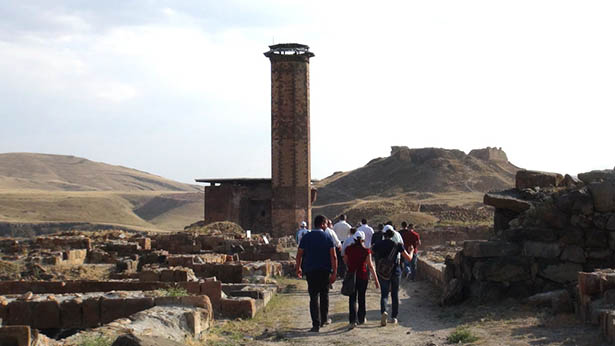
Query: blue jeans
{"type": "Point", "coordinates": [412, 266]}
{"type": "Point", "coordinates": [393, 285]}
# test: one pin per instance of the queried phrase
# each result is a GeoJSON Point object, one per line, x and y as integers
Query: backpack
{"type": "Point", "coordinates": [385, 265]}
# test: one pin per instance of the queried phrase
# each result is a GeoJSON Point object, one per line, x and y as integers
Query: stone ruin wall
{"type": "Point", "coordinates": [546, 230]}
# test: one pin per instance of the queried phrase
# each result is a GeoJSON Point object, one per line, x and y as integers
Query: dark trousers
{"type": "Point", "coordinates": [318, 287]}
{"type": "Point", "coordinates": [341, 266]}
{"type": "Point", "coordinates": [393, 285]}
{"type": "Point", "coordinates": [358, 295]}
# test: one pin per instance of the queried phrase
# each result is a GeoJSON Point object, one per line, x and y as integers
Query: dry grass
{"type": "Point", "coordinates": [104, 207]}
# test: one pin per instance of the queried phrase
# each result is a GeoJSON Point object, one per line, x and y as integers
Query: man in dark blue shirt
{"type": "Point", "coordinates": [316, 257]}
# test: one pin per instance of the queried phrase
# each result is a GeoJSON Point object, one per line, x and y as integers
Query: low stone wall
{"type": "Point", "coordinates": [430, 271]}
{"type": "Point", "coordinates": [87, 313]}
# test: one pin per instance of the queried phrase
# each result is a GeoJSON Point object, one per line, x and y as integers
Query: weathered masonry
{"type": "Point", "coordinates": [279, 204]}
{"type": "Point", "coordinates": [290, 135]}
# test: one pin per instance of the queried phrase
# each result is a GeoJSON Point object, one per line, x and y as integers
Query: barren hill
{"type": "Point", "coordinates": [70, 173]}
{"type": "Point", "coordinates": [410, 178]}
{"type": "Point", "coordinates": [42, 189]}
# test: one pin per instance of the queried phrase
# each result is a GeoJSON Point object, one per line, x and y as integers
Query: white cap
{"type": "Point", "coordinates": [303, 224]}
{"type": "Point", "coordinates": [358, 235]}
{"type": "Point", "coordinates": [388, 227]}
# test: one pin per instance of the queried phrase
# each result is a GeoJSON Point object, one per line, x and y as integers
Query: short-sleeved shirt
{"type": "Point", "coordinates": [369, 232]}
{"type": "Point", "coordinates": [316, 246]}
{"type": "Point", "coordinates": [383, 248]}
{"type": "Point", "coordinates": [411, 237]}
{"type": "Point", "coordinates": [377, 237]}
{"type": "Point", "coordinates": [336, 240]}
{"type": "Point", "coordinates": [300, 233]}
{"type": "Point", "coordinates": [357, 260]}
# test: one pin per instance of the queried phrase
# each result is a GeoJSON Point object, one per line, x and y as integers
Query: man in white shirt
{"type": "Point", "coordinates": [336, 241]}
{"type": "Point", "coordinates": [301, 232]}
{"type": "Point", "coordinates": [342, 227]}
{"type": "Point", "coordinates": [368, 231]}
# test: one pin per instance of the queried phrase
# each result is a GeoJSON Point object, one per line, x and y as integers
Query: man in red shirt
{"type": "Point", "coordinates": [411, 238]}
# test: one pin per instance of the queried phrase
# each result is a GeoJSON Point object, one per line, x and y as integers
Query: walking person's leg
{"type": "Point", "coordinates": [324, 297]}
{"type": "Point", "coordinates": [415, 259]}
{"type": "Point", "coordinates": [360, 291]}
{"type": "Point", "coordinates": [384, 297]}
{"type": "Point", "coordinates": [352, 306]}
{"type": "Point", "coordinates": [394, 297]}
{"type": "Point", "coordinates": [313, 290]}
{"type": "Point", "coordinates": [341, 266]}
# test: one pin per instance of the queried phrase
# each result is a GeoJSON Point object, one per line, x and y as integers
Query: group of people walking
{"type": "Point", "coordinates": [322, 257]}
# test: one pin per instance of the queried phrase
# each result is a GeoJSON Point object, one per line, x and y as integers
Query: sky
{"type": "Point", "coordinates": [181, 88]}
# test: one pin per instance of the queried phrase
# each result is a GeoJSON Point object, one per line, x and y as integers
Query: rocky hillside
{"type": "Point", "coordinates": [426, 170]}
{"type": "Point", "coordinates": [69, 173]}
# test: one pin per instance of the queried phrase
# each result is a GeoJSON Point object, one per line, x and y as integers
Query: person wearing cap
{"type": "Point", "coordinates": [301, 232]}
{"type": "Point", "coordinates": [358, 259]}
{"type": "Point", "coordinates": [349, 240]}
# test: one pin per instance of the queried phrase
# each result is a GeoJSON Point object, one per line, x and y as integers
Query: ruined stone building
{"type": "Point", "coordinates": [278, 204]}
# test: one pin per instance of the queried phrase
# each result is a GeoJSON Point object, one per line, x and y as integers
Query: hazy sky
{"type": "Point", "coordinates": [181, 88]}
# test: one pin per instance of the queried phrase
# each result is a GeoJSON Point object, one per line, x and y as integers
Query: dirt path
{"type": "Point", "coordinates": [421, 322]}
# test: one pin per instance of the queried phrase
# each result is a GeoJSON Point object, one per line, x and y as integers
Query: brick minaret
{"type": "Point", "coordinates": [290, 137]}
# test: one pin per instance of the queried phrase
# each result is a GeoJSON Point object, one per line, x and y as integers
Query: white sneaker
{"type": "Point", "coordinates": [352, 326]}
{"type": "Point", "coordinates": [393, 321]}
{"type": "Point", "coordinates": [383, 319]}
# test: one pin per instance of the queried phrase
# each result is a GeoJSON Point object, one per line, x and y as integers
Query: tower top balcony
{"type": "Point", "coordinates": [289, 51]}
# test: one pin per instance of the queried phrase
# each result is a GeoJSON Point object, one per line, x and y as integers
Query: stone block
{"type": "Point", "coordinates": [213, 289]}
{"type": "Point", "coordinates": [596, 238]}
{"type": "Point", "coordinates": [530, 233]}
{"type": "Point", "coordinates": [112, 309]}
{"type": "Point", "coordinates": [610, 225]}
{"type": "Point", "coordinates": [561, 272]}
{"type": "Point", "coordinates": [238, 307]}
{"type": "Point", "coordinates": [502, 269]}
{"type": "Point", "coordinates": [603, 194]}
{"type": "Point", "coordinates": [453, 293]}
{"type": "Point", "coordinates": [539, 249]}
{"type": "Point", "coordinates": [192, 287]}
{"type": "Point", "coordinates": [506, 202]}
{"type": "Point", "coordinates": [529, 179]}
{"type": "Point", "coordinates": [91, 312]}
{"type": "Point", "coordinates": [75, 257]}
{"type": "Point", "coordinates": [19, 312]}
{"type": "Point", "coordinates": [193, 322]}
{"type": "Point", "coordinates": [71, 314]}
{"type": "Point", "coordinates": [145, 243]}
{"type": "Point", "coordinates": [15, 336]}
{"type": "Point", "coordinates": [572, 236]}
{"type": "Point", "coordinates": [149, 275]}
{"type": "Point", "coordinates": [607, 281]}
{"type": "Point", "coordinates": [599, 254]}
{"type": "Point", "coordinates": [482, 248]}
{"type": "Point", "coordinates": [167, 275]}
{"type": "Point", "coordinates": [46, 314]}
{"type": "Point", "coordinates": [573, 253]}
{"type": "Point", "coordinates": [180, 275]}
{"type": "Point", "coordinates": [597, 175]}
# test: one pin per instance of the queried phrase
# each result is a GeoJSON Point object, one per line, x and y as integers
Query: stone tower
{"type": "Point", "coordinates": [290, 137]}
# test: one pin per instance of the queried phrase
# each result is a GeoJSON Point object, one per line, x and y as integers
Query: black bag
{"type": "Point", "coordinates": [385, 265]}
{"type": "Point", "coordinates": [348, 285]}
